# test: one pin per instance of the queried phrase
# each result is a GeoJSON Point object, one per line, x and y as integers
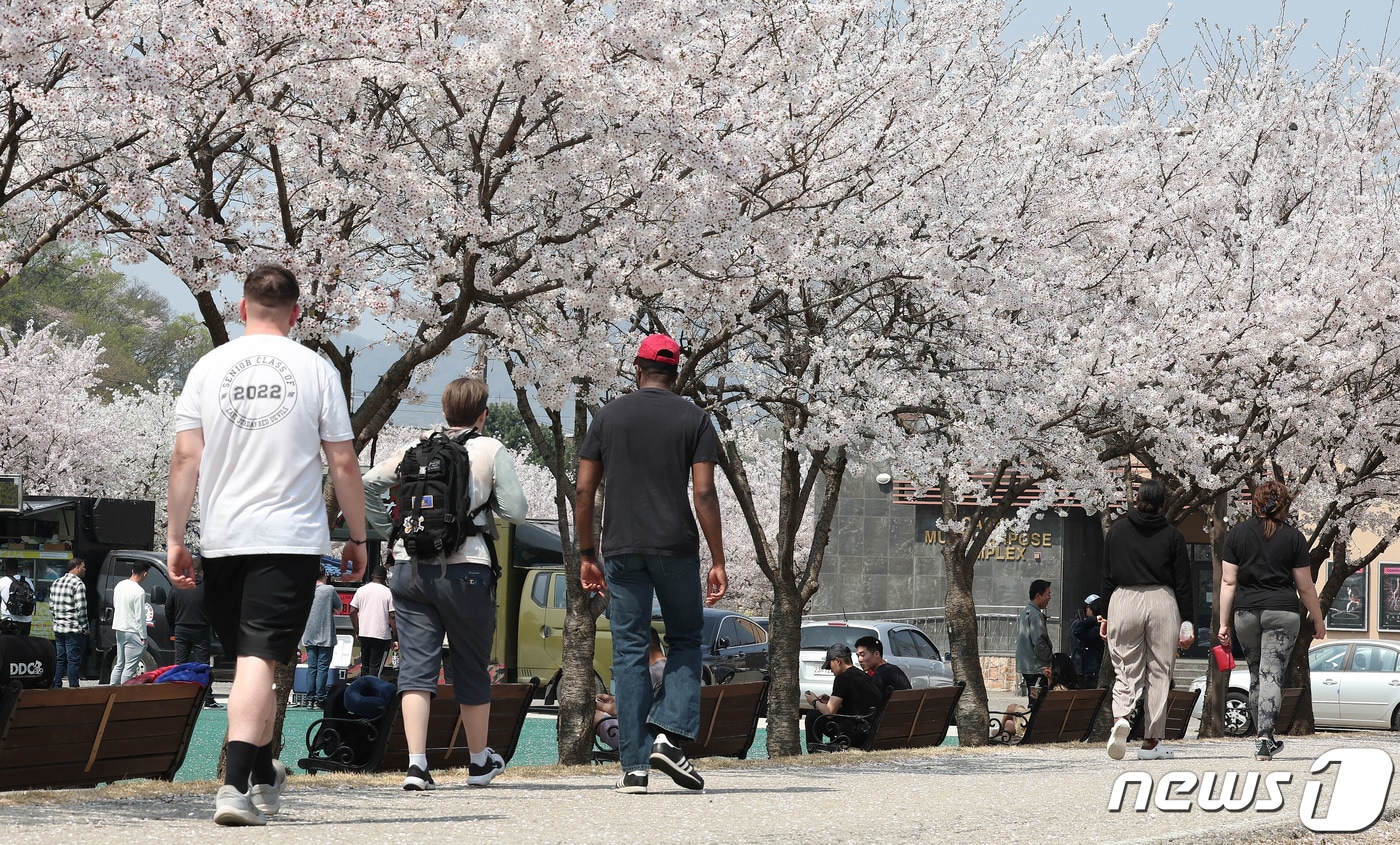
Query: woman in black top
{"type": "Point", "coordinates": [1265, 571]}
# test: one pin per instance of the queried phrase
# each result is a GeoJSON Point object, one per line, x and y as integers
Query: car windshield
{"type": "Point", "coordinates": [707, 633]}
{"type": "Point", "coordinates": [821, 636]}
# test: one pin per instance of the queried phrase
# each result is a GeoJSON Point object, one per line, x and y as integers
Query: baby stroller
{"type": "Point", "coordinates": [351, 737]}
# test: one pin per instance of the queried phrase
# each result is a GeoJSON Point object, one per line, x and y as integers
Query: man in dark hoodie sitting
{"type": "Point", "coordinates": [1147, 590]}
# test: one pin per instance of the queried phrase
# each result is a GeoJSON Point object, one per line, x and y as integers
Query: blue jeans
{"type": "Point", "coordinates": [318, 665]}
{"type": "Point", "coordinates": [675, 582]}
{"type": "Point", "coordinates": [69, 657]}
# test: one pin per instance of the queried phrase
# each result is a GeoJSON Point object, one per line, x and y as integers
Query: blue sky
{"type": "Point", "coordinates": [1360, 21]}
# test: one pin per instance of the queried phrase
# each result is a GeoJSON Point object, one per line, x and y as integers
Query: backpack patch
{"type": "Point", "coordinates": [21, 601]}
{"type": "Point", "coordinates": [435, 515]}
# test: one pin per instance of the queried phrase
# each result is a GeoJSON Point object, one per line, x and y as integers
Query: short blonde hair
{"type": "Point", "coordinates": [464, 400]}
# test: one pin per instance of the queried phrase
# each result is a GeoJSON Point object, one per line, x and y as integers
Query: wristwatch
{"type": "Point", "coordinates": [358, 542]}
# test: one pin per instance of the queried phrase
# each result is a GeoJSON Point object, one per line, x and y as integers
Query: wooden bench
{"type": "Point", "coordinates": [1180, 703]}
{"type": "Point", "coordinates": [447, 737]}
{"type": "Point", "coordinates": [915, 718]}
{"type": "Point", "coordinates": [1063, 716]}
{"type": "Point", "coordinates": [729, 715]}
{"type": "Point", "coordinates": [62, 738]}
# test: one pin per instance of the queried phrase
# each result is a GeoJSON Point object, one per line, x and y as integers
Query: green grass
{"type": "Point", "coordinates": [537, 747]}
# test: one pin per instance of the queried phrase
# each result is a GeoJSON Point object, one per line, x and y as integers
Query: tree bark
{"type": "Point", "coordinates": [961, 611]}
{"type": "Point", "coordinates": [784, 648]}
{"type": "Point", "coordinates": [1217, 682]}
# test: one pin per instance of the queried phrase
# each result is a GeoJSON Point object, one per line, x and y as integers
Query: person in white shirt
{"type": "Point", "coordinates": [372, 617]}
{"type": "Point", "coordinates": [250, 426]}
{"type": "Point", "coordinates": [129, 623]}
{"type": "Point", "coordinates": [11, 623]}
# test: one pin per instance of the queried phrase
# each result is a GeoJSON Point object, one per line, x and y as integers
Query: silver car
{"type": "Point", "coordinates": [905, 646]}
{"type": "Point", "coordinates": [1355, 684]}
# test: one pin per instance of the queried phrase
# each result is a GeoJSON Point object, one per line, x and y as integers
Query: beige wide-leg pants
{"type": "Point", "coordinates": [1143, 624]}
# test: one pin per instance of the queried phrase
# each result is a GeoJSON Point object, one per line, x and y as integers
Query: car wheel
{"type": "Point", "coordinates": [1237, 718]}
{"type": "Point", "coordinates": [1395, 720]}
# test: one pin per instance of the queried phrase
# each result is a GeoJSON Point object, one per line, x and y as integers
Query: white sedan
{"type": "Point", "coordinates": [1355, 684]}
{"type": "Point", "coordinates": [905, 646]}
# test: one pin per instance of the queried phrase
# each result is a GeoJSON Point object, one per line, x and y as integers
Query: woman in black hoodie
{"type": "Point", "coordinates": [1264, 570]}
{"type": "Point", "coordinates": [1147, 588]}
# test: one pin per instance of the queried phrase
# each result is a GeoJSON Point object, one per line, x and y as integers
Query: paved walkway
{"type": "Point", "coordinates": [1031, 795]}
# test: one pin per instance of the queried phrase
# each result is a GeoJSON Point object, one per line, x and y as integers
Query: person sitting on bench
{"type": "Point", "coordinates": [852, 691]}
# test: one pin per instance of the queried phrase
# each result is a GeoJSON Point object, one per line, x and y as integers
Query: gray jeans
{"type": "Point", "coordinates": [1267, 637]}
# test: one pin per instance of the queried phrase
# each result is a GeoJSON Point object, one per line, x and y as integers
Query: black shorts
{"type": "Point", "coordinates": [258, 604]}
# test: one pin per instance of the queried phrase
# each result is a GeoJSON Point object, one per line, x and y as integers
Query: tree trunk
{"type": "Point", "coordinates": [961, 611]}
{"type": "Point", "coordinates": [283, 678]}
{"type": "Point", "coordinates": [1217, 682]}
{"type": "Point", "coordinates": [1299, 672]}
{"type": "Point", "coordinates": [574, 729]}
{"type": "Point", "coordinates": [784, 645]}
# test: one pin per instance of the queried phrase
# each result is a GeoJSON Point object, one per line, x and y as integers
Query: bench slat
{"type": "Point", "coordinates": [916, 718]}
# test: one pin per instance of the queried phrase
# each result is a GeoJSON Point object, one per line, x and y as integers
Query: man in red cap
{"type": "Point", "coordinates": [651, 446]}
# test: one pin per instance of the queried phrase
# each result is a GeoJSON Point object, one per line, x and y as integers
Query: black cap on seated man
{"type": "Point", "coordinates": [852, 691]}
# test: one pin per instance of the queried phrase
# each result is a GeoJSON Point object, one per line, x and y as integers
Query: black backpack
{"type": "Point", "coordinates": [21, 601]}
{"type": "Point", "coordinates": [435, 515]}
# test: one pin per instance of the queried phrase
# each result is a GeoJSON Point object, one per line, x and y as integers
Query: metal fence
{"type": "Point", "coordinates": [996, 625]}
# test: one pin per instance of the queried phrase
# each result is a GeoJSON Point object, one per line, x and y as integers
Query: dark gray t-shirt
{"type": "Point", "coordinates": [647, 441]}
{"type": "Point", "coordinates": [1265, 577]}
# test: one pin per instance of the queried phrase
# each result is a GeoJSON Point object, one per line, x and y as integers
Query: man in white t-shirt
{"type": "Point", "coordinates": [251, 424]}
{"type": "Point", "coordinates": [11, 623]}
{"type": "Point", "coordinates": [372, 617]}
{"type": "Point", "coordinates": [129, 624]}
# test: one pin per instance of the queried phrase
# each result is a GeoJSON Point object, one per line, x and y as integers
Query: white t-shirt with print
{"type": "Point", "coordinates": [265, 403]}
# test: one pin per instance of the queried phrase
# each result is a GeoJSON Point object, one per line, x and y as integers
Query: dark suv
{"type": "Point", "coordinates": [734, 647]}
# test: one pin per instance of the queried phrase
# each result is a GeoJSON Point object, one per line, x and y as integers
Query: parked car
{"type": "Point", "coordinates": [1355, 684]}
{"type": "Point", "coordinates": [905, 646]}
{"type": "Point", "coordinates": [734, 647]}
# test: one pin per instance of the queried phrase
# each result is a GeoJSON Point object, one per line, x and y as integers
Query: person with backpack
{"type": "Point", "coordinates": [446, 486]}
{"type": "Point", "coordinates": [17, 601]}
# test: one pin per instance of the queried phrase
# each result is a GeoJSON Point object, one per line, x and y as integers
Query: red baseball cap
{"type": "Point", "coordinates": [661, 348]}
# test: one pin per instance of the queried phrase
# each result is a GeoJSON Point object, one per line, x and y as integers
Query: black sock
{"type": "Point", "coordinates": [262, 765]}
{"type": "Point", "coordinates": [238, 764]}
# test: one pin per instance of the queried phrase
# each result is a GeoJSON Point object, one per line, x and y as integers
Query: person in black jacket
{"type": "Point", "coordinates": [1087, 644]}
{"type": "Point", "coordinates": [1264, 571]}
{"type": "Point", "coordinates": [1147, 589]}
{"type": "Point", "coordinates": [189, 625]}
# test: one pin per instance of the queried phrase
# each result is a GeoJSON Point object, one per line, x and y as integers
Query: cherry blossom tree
{"type": "Point", "coordinates": [69, 438]}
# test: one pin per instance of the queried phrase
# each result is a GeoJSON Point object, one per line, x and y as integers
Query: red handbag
{"type": "Point", "coordinates": [1224, 659]}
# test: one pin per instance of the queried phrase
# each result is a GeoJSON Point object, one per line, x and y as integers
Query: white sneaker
{"type": "Point", "coordinates": [268, 796]}
{"type": "Point", "coordinates": [234, 809]}
{"type": "Point", "coordinates": [1118, 739]}
{"type": "Point", "coordinates": [1157, 752]}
